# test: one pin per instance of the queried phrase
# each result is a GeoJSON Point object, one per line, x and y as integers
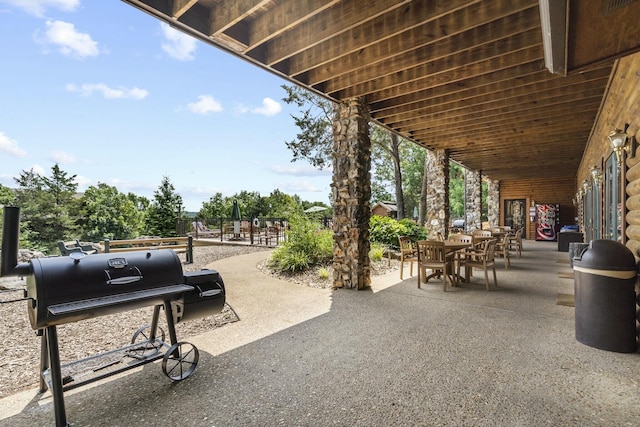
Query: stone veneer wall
{"type": "Point", "coordinates": [437, 215]}
{"type": "Point", "coordinates": [493, 202]}
{"type": "Point", "coordinates": [473, 200]}
{"type": "Point", "coordinates": [351, 190]}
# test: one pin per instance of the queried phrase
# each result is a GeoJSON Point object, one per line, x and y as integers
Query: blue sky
{"type": "Point", "coordinates": [113, 95]}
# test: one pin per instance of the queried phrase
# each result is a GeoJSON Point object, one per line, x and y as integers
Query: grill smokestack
{"type": "Point", "coordinates": [10, 236]}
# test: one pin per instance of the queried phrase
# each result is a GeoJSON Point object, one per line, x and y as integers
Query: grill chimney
{"type": "Point", "coordinates": [10, 236]}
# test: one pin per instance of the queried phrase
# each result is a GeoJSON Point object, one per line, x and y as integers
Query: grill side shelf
{"type": "Point", "coordinates": [92, 303]}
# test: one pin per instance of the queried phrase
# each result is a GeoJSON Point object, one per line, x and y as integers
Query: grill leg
{"type": "Point", "coordinates": [170, 322]}
{"type": "Point", "coordinates": [44, 359]}
{"type": "Point", "coordinates": [154, 321]}
{"type": "Point", "coordinates": [56, 377]}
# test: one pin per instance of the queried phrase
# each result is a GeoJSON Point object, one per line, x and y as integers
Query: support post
{"type": "Point", "coordinates": [473, 200]}
{"type": "Point", "coordinates": [351, 190]}
{"type": "Point", "coordinates": [493, 202]}
{"type": "Point", "coordinates": [437, 213]}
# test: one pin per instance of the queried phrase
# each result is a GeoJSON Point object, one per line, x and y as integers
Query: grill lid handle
{"type": "Point", "coordinates": [210, 292]}
{"type": "Point", "coordinates": [124, 280]}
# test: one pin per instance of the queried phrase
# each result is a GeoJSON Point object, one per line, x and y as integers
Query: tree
{"type": "Point", "coordinates": [385, 160]}
{"type": "Point", "coordinates": [251, 204]}
{"type": "Point", "coordinates": [7, 196]}
{"type": "Point", "coordinates": [60, 186]}
{"type": "Point", "coordinates": [314, 142]}
{"type": "Point", "coordinates": [283, 205]}
{"type": "Point", "coordinates": [163, 212]}
{"type": "Point", "coordinates": [47, 207]}
{"type": "Point", "coordinates": [214, 208]}
{"type": "Point", "coordinates": [109, 214]}
{"type": "Point", "coordinates": [456, 190]}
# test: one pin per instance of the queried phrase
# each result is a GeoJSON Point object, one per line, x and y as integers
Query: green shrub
{"type": "Point", "coordinates": [323, 273]}
{"type": "Point", "coordinates": [307, 245]}
{"type": "Point", "coordinates": [290, 261]}
{"type": "Point", "coordinates": [376, 251]}
{"type": "Point", "coordinates": [386, 230]}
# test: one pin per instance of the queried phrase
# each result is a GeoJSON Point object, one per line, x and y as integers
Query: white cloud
{"type": "Point", "coordinates": [240, 108]}
{"type": "Point", "coordinates": [10, 146]}
{"type": "Point", "coordinates": [299, 187]}
{"type": "Point", "coordinates": [177, 45]}
{"type": "Point", "coordinates": [69, 41]}
{"type": "Point", "coordinates": [62, 157]}
{"type": "Point", "coordinates": [83, 182]}
{"type": "Point", "coordinates": [306, 170]}
{"type": "Point", "coordinates": [125, 186]}
{"type": "Point", "coordinates": [107, 92]}
{"type": "Point", "coordinates": [37, 169]}
{"type": "Point", "coordinates": [38, 7]}
{"type": "Point", "coordinates": [269, 108]}
{"type": "Point", "coordinates": [206, 104]}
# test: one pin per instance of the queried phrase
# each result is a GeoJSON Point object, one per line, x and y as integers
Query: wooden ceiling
{"type": "Point", "coordinates": [465, 75]}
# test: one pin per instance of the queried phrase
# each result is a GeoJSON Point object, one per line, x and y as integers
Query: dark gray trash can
{"type": "Point", "coordinates": [605, 298]}
{"type": "Point", "coordinates": [575, 250]}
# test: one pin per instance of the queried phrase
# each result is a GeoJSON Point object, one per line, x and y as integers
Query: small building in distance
{"type": "Point", "coordinates": [389, 209]}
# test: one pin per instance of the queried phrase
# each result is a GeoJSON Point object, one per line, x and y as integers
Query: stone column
{"type": "Point", "coordinates": [473, 199]}
{"type": "Point", "coordinates": [437, 215]}
{"type": "Point", "coordinates": [493, 202]}
{"type": "Point", "coordinates": [351, 190]}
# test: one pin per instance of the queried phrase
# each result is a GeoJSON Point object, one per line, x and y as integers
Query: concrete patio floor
{"type": "Point", "coordinates": [394, 355]}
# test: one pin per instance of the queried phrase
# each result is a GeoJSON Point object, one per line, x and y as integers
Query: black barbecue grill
{"type": "Point", "coordinates": [77, 287]}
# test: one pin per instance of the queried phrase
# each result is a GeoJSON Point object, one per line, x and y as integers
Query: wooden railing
{"type": "Point", "coordinates": [178, 244]}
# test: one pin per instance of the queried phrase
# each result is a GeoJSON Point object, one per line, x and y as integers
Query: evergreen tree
{"type": "Point", "coordinates": [46, 207]}
{"type": "Point", "coordinates": [163, 213]}
{"type": "Point", "coordinates": [314, 142]}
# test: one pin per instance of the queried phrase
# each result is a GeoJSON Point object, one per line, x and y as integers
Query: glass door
{"type": "Point", "coordinates": [588, 218]}
{"type": "Point", "coordinates": [612, 201]}
{"type": "Point", "coordinates": [596, 210]}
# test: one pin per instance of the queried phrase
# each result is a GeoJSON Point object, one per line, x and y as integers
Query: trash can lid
{"type": "Point", "coordinates": [606, 255]}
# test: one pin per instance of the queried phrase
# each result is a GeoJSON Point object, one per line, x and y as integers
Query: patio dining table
{"type": "Point", "coordinates": [450, 247]}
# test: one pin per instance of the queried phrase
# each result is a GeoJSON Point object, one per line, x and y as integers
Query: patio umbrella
{"type": "Point", "coordinates": [315, 209]}
{"type": "Point", "coordinates": [235, 216]}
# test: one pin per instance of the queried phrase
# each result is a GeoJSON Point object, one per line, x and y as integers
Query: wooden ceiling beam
{"type": "Point", "coordinates": [414, 17]}
{"type": "Point", "coordinates": [423, 77]}
{"type": "Point", "coordinates": [494, 136]}
{"type": "Point", "coordinates": [419, 62]}
{"type": "Point", "coordinates": [179, 7]}
{"type": "Point", "coordinates": [483, 111]}
{"type": "Point", "coordinates": [438, 38]}
{"type": "Point", "coordinates": [525, 108]}
{"type": "Point", "coordinates": [282, 18]}
{"type": "Point", "coordinates": [228, 13]}
{"type": "Point", "coordinates": [529, 84]}
{"type": "Point", "coordinates": [581, 119]}
{"type": "Point", "coordinates": [332, 22]}
{"type": "Point", "coordinates": [406, 96]}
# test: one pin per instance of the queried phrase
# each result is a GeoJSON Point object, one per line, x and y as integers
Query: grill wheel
{"type": "Point", "coordinates": [180, 361]}
{"type": "Point", "coordinates": [149, 343]}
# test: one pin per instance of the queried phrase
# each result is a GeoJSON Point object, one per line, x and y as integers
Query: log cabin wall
{"type": "Point", "coordinates": [620, 107]}
{"type": "Point", "coordinates": [552, 191]}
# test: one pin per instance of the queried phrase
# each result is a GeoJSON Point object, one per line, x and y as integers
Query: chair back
{"type": "Point", "coordinates": [431, 251]}
{"type": "Point", "coordinates": [406, 244]}
{"type": "Point", "coordinates": [462, 238]}
{"type": "Point", "coordinates": [481, 233]}
{"type": "Point", "coordinates": [490, 250]}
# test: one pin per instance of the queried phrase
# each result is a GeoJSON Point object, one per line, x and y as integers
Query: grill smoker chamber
{"type": "Point", "coordinates": [77, 287]}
